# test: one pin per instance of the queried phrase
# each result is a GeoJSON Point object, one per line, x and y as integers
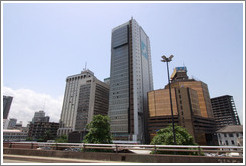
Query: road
{"type": "Point", "coordinates": [17, 161]}
{"type": "Point", "coordinates": [37, 159]}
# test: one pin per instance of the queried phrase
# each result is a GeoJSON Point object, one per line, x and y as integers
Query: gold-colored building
{"type": "Point", "coordinates": [191, 108]}
{"type": "Point", "coordinates": [203, 95]}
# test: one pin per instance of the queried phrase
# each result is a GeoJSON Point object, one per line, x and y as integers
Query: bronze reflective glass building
{"type": "Point", "coordinates": [191, 108]}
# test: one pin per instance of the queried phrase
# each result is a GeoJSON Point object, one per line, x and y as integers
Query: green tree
{"type": "Point", "coordinates": [62, 139]}
{"type": "Point", "coordinates": [29, 139]}
{"type": "Point", "coordinates": [165, 137]}
{"type": "Point", "coordinates": [99, 130]}
{"type": "Point", "coordinates": [47, 136]}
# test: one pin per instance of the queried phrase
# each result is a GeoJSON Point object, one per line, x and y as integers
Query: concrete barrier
{"type": "Point", "coordinates": [127, 157]}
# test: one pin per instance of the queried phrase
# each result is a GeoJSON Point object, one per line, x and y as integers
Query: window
{"type": "Point", "coordinates": [225, 135]}
{"type": "Point", "coordinates": [230, 135]}
{"type": "Point", "coordinates": [226, 142]}
{"type": "Point", "coordinates": [232, 142]}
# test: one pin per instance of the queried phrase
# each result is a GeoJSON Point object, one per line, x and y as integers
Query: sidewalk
{"type": "Point", "coordinates": [39, 159]}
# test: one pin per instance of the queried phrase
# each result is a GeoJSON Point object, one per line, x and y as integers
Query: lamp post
{"type": "Point", "coordinates": [165, 59]}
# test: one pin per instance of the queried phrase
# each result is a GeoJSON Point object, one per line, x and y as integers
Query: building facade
{"type": "Point", "coordinates": [14, 135]}
{"type": "Point", "coordinates": [130, 80]}
{"type": "Point", "coordinates": [7, 100]}
{"type": "Point", "coordinates": [180, 79]}
{"type": "Point", "coordinates": [40, 117]}
{"type": "Point", "coordinates": [84, 97]}
{"type": "Point", "coordinates": [224, 111]}
{"type": "Point", "coordinates": [38, 130]}
{"type": "Point", "coordinates": [5, 123]}
{"type": "Point", "coordinates": [231, 135]}
{"type": "Point", "coordinates": [12, 123]}
{"type": "Point", "coordinates": [188, 111]}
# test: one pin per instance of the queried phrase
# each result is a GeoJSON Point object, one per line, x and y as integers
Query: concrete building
{"type": "Point", "coordinates": [130, 80]}
{"type": "Point", "coordinates": [231, 135]}
{"type": "Point", "coordinates": [12, 123]}
{"type": "Point", "coordinates": [7, 100]}
{"type": "Point", "coordinates": [188, 111]}
{"type": "Point", "coordinates": [224, 111]}
{"type": "Point", "coordinates": [5, 123]}
{"type": "Point", "coordinates": [38, 130]}
{"type": "Point", "coordinates": [14, 135]}
{"type": "Point", "coordinates": [40, 117]}
{"type": "Point", "coordinates": [84, 97]}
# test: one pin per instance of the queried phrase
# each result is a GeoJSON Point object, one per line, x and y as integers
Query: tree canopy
{"type": "Point", "coordinates": [62, 139]}
{"type": "Point", "coordinates": [99, 130]}
{"type": "Point", "coordinates": [165, 136]}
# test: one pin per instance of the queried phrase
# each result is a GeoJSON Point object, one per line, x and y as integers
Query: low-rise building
{"type": "Point", "coordinates": [14, 135]}
{"type": "Point", "coordinates": [231, 135]}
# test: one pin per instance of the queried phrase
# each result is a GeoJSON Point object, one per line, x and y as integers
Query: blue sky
{"type": "Point", "coordinates": [44, 43]}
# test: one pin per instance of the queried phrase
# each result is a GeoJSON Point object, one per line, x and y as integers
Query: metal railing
{"type": "Point", "coordinates": [212, 151]}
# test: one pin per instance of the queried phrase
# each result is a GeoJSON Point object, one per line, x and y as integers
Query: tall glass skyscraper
{"type": "Point", "coordinates": [130, 80]}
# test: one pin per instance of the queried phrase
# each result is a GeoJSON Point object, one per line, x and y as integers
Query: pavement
{"type": "Point", "coordinates": [38, 159]}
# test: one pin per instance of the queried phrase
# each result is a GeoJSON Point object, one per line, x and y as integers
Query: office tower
{"type": "Point", "coordinates": [224, 110]}
{"type": "Point", "coordinates": [7, 100]}
{"type": "Point", "coordinates": [84, 97]}
{"type": "Point", "coordinates": [130, 80]}
{"type": "Point", "coordinates": [40, 117]}
{"type": "Point", "coordinates": [186, 113]}
{"type": "Point", "coordinates": [187, 109]}
{"type": "Point", "coordinates": [180, 79]}
{"type": "Point", "coordinates": [12, 123]}
{"type": "Point", "coordinates": [107, 80]}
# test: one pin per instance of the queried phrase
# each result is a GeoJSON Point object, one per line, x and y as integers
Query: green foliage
{"type": "Point", "coordinates": [29, 139]}
{"type": "Point", "coordinates": [47, 136]}
{"type": "Point", "coordinates": [62, 139]}
{"type": "Point", "coordinates": [165, 137]}
{"type": "Point", "coordinates": [99, 130]}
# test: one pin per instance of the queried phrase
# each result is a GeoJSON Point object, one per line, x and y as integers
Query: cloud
{"type": "Point", "coordinates": [26, 102]}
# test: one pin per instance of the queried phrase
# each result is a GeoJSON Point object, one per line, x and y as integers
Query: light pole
{"type": "Point", "coordinates": [165, 59]}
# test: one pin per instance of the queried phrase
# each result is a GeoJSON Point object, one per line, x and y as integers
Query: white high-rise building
{"type": "Point", "coordinates": [130, 80]}
{"type": "Point", "coordinates": [84, 97]}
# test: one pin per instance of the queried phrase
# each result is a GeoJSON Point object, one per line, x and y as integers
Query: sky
{"type": "Point", "coordinates": [43, 43]}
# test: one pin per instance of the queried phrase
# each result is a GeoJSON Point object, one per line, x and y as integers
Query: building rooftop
{"type": "Point", "coordinates": [11, 131]}
{"type": "Point", "coordinates": [231, 129]}
{"type": "Point", "coordinates": [224, 96]}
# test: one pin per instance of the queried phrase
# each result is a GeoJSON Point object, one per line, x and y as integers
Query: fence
{"type": "Point", "coordinates": [212, 151]}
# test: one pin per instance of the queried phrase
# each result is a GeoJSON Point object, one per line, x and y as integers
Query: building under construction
{"type": "Point", "coordinates": [225, 112]}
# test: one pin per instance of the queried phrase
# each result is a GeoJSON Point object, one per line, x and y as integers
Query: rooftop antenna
{"type": "Point", "coordinates": [44, 103]}
{"type": "Point", "coordinates": [85, 65]}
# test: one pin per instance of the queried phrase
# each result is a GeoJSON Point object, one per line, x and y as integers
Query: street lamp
{"type": "Point", "coordinates": [165, 59]}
